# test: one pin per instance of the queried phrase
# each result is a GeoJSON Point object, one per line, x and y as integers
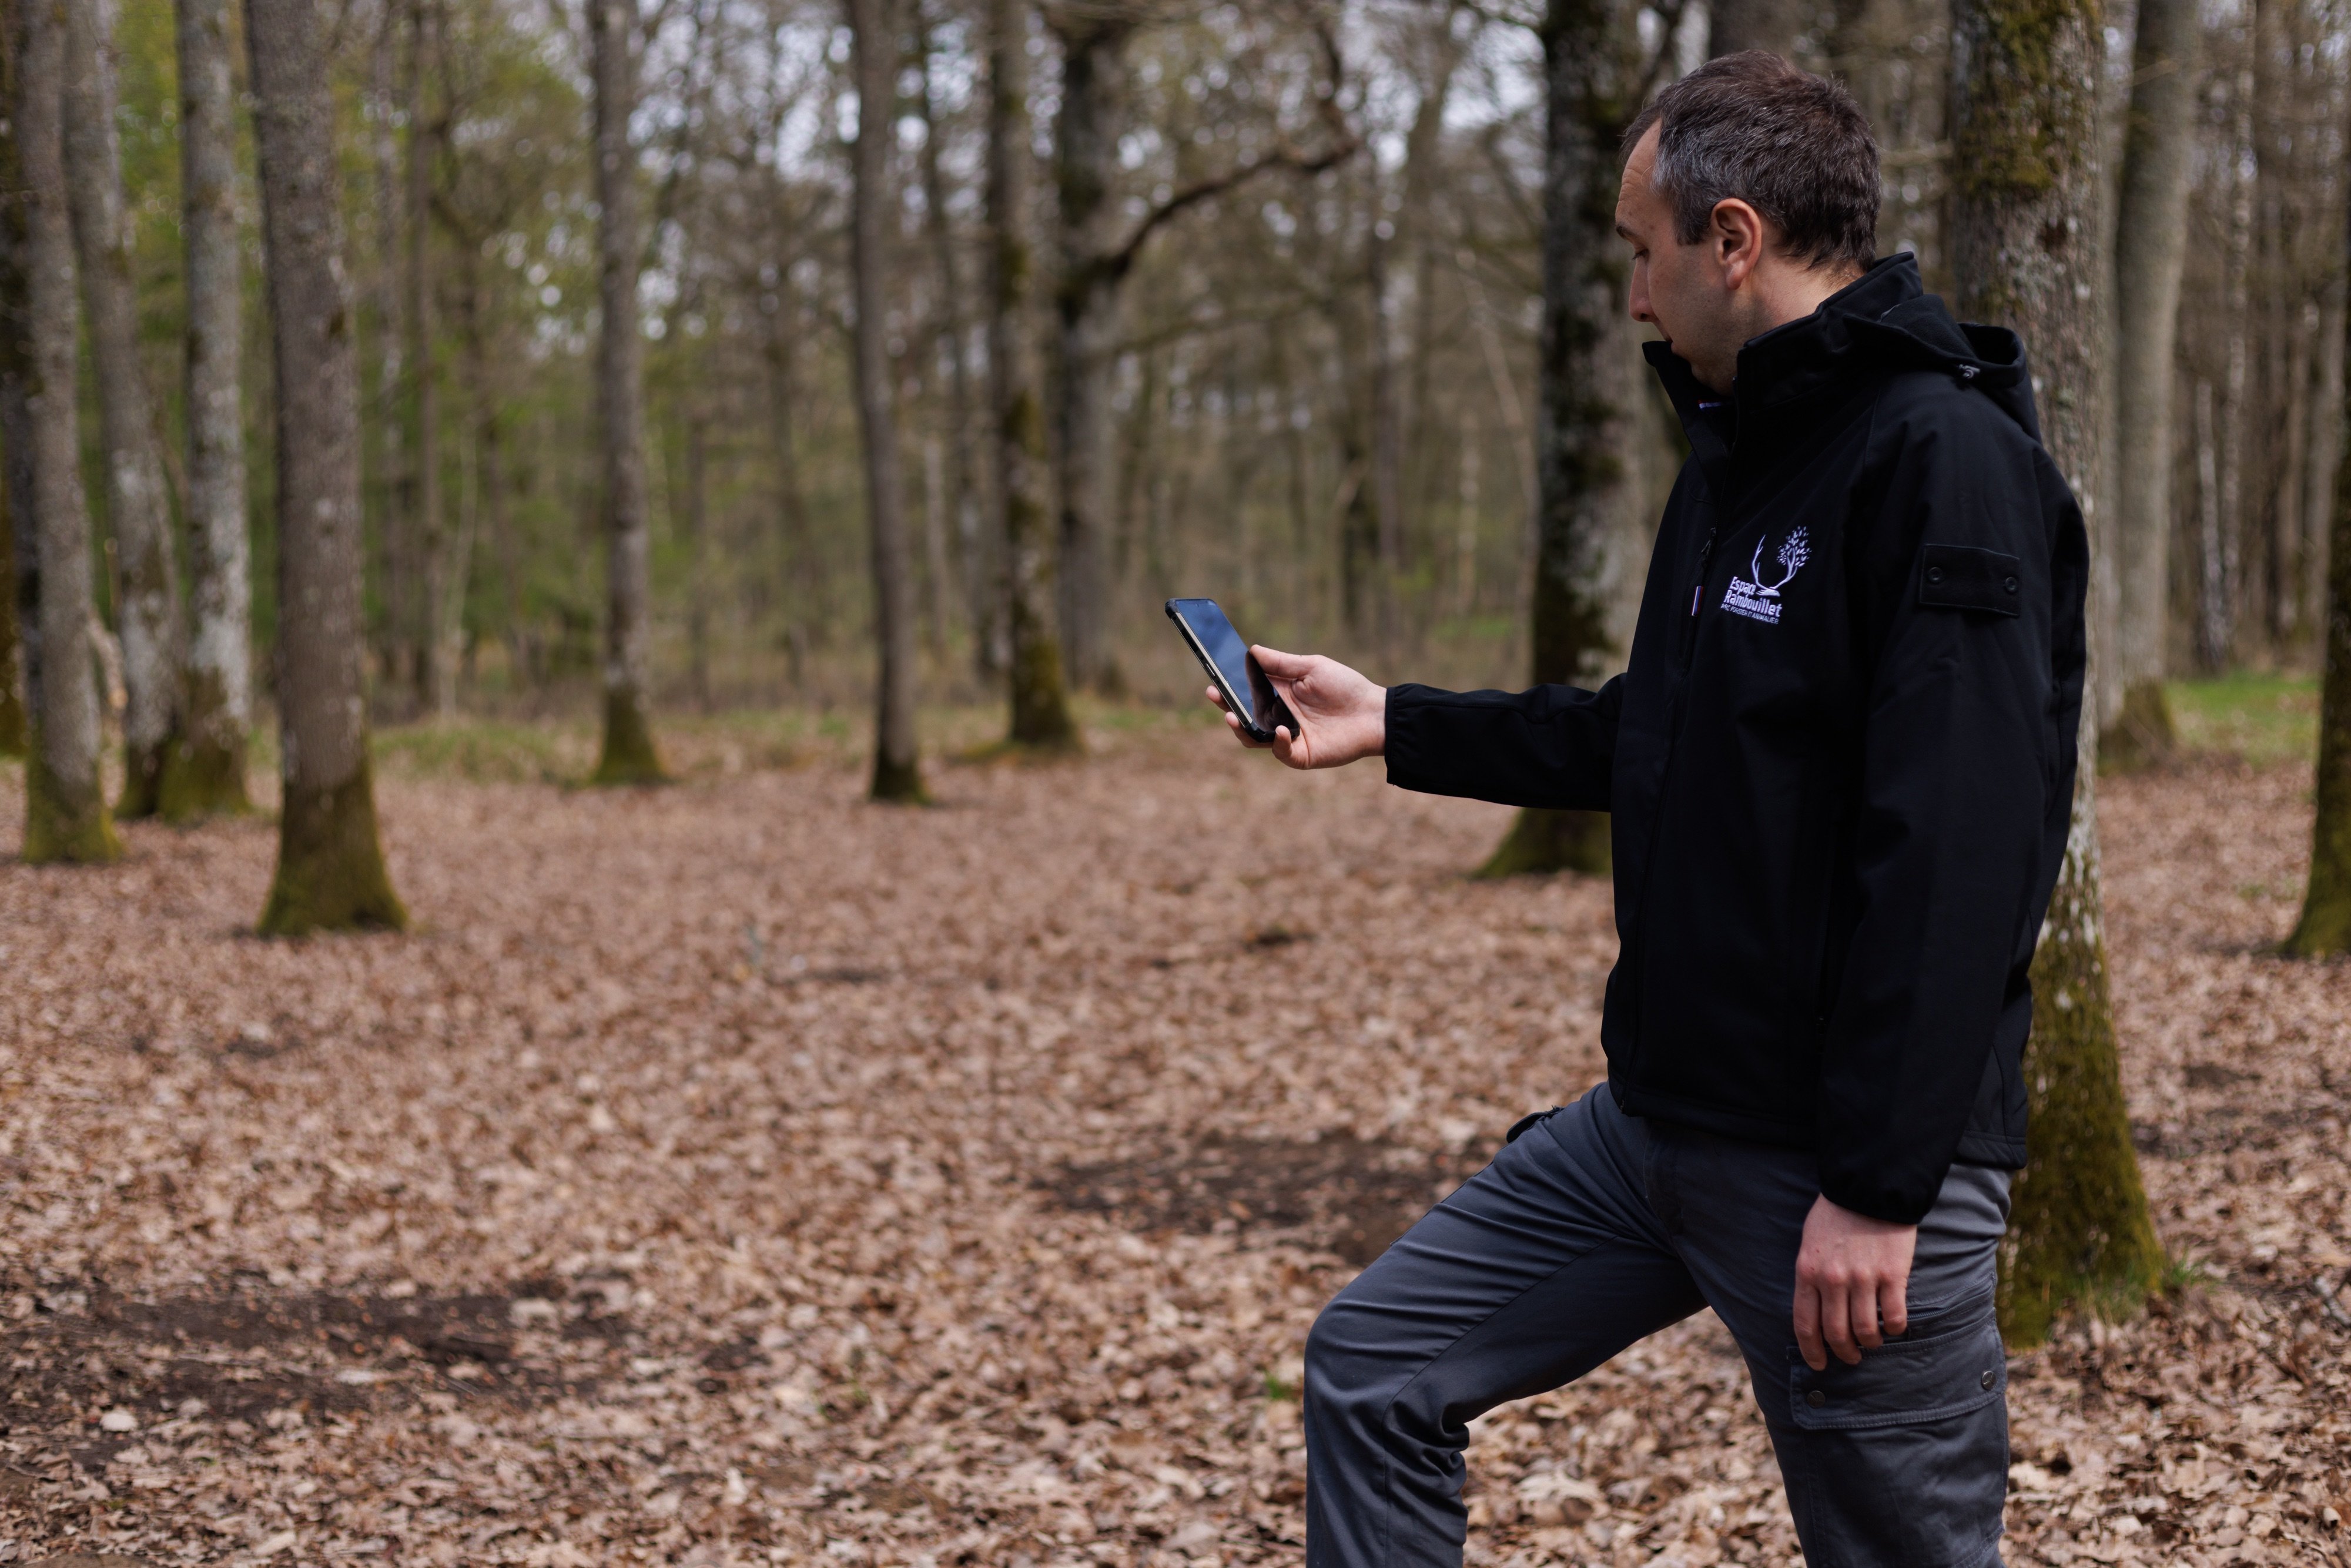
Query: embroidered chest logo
{"type": "Point", "coordinates": [1757, 595]}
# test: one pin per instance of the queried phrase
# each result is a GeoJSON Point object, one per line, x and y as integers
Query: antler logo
{"type": "Point", "coordinates": [1792, 556]}
{"type": "Point", "coordinates": [1757, 599]}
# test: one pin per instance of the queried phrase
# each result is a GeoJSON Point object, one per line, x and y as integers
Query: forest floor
{"type": "Point", "coordinates": [739, 1172]}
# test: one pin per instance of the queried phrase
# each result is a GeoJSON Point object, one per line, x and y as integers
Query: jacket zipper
{"type": "Point", "coordinates": [1664, 775]}
{"type": "Point", "coordinates": [1698, 596]}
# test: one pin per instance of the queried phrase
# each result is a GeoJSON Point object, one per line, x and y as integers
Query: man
{"type": "Point", "coordinates": [1839, 764]}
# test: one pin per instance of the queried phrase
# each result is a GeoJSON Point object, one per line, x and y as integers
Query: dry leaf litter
{"type": "Point", "coordinates": [739, 1172]}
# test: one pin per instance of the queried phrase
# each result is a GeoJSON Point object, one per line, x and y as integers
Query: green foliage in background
{"type": "Point", "coordinates": [2266, 719]}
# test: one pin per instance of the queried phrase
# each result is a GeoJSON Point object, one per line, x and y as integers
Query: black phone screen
{"type": "Point", "coordinates": [1220, 648]}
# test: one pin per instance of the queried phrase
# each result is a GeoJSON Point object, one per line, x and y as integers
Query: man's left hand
{"type": "Point", "coordinates": [1853, 1275]}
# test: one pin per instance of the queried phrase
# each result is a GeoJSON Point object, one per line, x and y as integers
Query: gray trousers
{"type": "Point", "coordinates": [1592, 1228]}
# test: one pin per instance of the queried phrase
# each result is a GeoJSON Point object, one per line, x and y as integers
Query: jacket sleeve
{"type": "Point", "coordinates": [1973, 573]}
{"type": "Point", "coordinates": [1550, 747]}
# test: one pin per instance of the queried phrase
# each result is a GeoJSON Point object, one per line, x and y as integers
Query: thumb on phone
{"type": "Point", "coordinates": [1279, 665]}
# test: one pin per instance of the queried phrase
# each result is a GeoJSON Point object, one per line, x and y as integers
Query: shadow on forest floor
{"type": "Point", "coordinates": [268, 1357]}
{"type": "Point", "coordinates": [1352, 1195]}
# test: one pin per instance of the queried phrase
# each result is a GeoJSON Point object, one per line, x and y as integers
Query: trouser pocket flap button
{"type": "Point", "coordinates": [1816, 1398]}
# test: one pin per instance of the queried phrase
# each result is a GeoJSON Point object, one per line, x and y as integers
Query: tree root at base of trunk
{"type": "Point", "coordinates": [330, 872]}
{"type": "Point", "coordinates": [65, 826]}
{"type": "Point", "coordinates": [2324, 927]}
{"type": "Point", "coordinates": [203, 779]}
{"type": "Point", "coordinates": [144, 768]}
{"type": "Point", "coordinates": [1040, 705]}
{"type": "Point", "coordinates": [629, 754]}
{"type": "Point", "coordinates": [2143, 735]}
{"type": "Point", "coordinates": [1541, 842]}
{"type": "Point", "coordinates": [899, 783]}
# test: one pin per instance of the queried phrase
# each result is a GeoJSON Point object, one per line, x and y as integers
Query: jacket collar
{"type": "Point", "coordinates": [1882, 321]}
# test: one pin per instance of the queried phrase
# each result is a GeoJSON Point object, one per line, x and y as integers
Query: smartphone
{"type": "Point", "coordinates": [1226, 659]}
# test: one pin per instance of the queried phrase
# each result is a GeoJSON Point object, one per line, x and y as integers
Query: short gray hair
{"type": "Point", "coordinates": [1792, 145]}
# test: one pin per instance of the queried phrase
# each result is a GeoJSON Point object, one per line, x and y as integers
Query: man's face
{"type": "Point", "coordinates": [1680, 289]}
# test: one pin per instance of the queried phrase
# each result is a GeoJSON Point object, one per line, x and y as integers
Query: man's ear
{"type": "Point", "coordinates": [1739, 237]}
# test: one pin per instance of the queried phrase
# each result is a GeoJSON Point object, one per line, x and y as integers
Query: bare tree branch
{"type": "Point", "coordinates": [1344, 144]}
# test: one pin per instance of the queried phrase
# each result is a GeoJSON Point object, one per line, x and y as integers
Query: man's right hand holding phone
{"type": "Point", "coordinates": [1342, 716]}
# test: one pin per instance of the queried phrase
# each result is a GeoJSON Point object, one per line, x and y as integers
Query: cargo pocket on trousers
{"type": "Point", "coordinates": [1948, 1365]}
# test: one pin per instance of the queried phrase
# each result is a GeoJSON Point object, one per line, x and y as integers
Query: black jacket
{"type": "Point", "coordinates": [1841, 758]}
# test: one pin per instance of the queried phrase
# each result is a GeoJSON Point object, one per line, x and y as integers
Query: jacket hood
{"type": "Point", "coordinates": [1885, 320]}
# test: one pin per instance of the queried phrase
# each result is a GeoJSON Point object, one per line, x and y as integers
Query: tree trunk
{"type": "Point", "coordinates": [436, 673]}
{"type": "Point", "coordinates": [23, 538]}
{"type": "Point", "coordinates": [934, 546]}
{"type": "Point", "coordinates": [1419, 232]}
{"type": "Point", "coordinates": [629, 755]}
{"type": "Point", "coordinates": [2323, 452]}
{"type": "Point", "coordinates": [2324, 927]}
{"type": "Point", "coordinates": [1355, 424]}
{"type": "Point", "coordinates": [974, 525]}
{"type": "Point", "coordinates": [331, 871]}
{"type": "Point", "coordinates": [394, 482]}
{"type": "Point", "coordinates": [1386, 478]}
{"type": "Point", "coordinates": [1738, 25]}
{"type": "Point", "coordinates": [897, 772]}
{"type": "Point", "coordinates": [1586, 421]}
{"type": "Point", "coordinates": [12, 671]}
{"type": "Point", "coordinates": [148, 616]}
{"type": "Point", "coordinates": [2279, 343]}
{"type": "Point", "coordinates": [1093, 115]}
{"type": "Point", "coordinates": [489, 444]}
{"type": "Point", "coordinates": [2216, 622]}
{"type": "Point", "coordinates": [2153, 216]}
{"type": "Point", "coordinates": [804, 576]}
{"type": "Point", "coordinates": [696, 517]}
{"type": "Point", "coordinates": [20, 540]}
{"type": "Point", "coordinates": [2285, 564]}
{"type": "Point", "coordinates": [207, 773]}
{"type": "Point", "coordinates": [66, 817]}
{"type": "Point", "coordinates": [1465, 522]}
{"type": "Point", "coordinates": [2027, 254]}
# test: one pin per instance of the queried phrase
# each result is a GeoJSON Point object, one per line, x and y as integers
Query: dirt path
{"type": "Point", "coordinates": [738, 1173]}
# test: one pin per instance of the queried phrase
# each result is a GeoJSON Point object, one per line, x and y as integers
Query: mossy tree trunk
{"type": "Point", "coordinates": [629, 756]}
{"type": "Point", "coordinates": [2324, 927]}
{"type": "Point", "coordinates": [2027, 256]}
{"type": "Point", "coordinates": [2158, 140]}
{"type": "Point", "coordinates": [65, 817]}
{"type": "Point", "coordinates": [897, 770]}
{"type": "Point", "coordinates": [148, 619]}
{"type": "Point", "coordinates": [1584, 417]}
{"type": "Point", "coordinates": [2080, 1235]}
{"type": "Point", "coordinates": [205, 773]}
{"type": "Point", "coordinates": [331, 871]}
{"type": "Point", "coordinates": [1041, 707]}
